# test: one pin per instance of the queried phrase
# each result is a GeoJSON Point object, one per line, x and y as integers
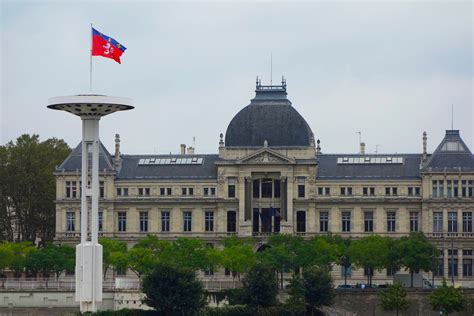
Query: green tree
{"type": "Point", "coordinates": [114, 254]}
{"type": "Point", "coordinates": [146, 253]}
{"type": "Point", "coordinates": [416, 253]}
{"type": "Point", "coordinates": [20, 251]}
{"type": "Point", "coordinates": [296, 304]}
{"type": "Point", "coordinates": [370, 253]}
{"type": "Point", "coordinates": [238, 255]}
{"type": "Point", "coordinates": [173, 290]}
{"type": "Point", "coordinates": [320, 251]}
{"type": "Point", "coordinates": [282, 254]}
{"type": "Point", "coordinates": [447, 299]}
{"type": "Point", "coordinates": [28, 187]}
{"type": "Point", "coordinates": [259, 287]}
{"type": "Point", "coordinates": [187, 252]}
{"type": "Point", "coordinates": [6, 255]}
{"type": "Point", "coordinates": [394, 298]}
{"type": "Point", "coordinates": [318, 288]}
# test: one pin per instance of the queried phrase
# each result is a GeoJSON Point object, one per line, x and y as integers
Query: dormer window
{"type": "Point", "coordinates": [452, 146]}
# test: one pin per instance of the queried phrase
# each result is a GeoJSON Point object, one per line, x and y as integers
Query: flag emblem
{"type": "Point", "coordinates": [106, 46]}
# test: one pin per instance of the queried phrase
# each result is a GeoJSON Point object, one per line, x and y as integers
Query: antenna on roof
{"type": "Point", "coordinates": [377, 148]}
{"type": "Point", "coordinates": [452, 116]}
{"type": "Point", "coordinates": [360, 136]}
{"type": "Point", "coordinates": [194, 141]}
{"type": "Point", "coordinates": [271, 68]}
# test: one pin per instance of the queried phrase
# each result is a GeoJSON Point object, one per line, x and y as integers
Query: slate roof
{"type": "Point", "coordinates": [73, 161]}
{"type": "Point", "coordinates": [269, 116]}
{"type": "Point", "coordinates": [329, 169]}
{"type": "Point", "coordinates": [131, 170]}
{"type": "Point", "coordinates": [451, 160]}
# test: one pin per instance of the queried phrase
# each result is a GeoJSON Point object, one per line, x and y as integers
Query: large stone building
{"type": "Point", "coordinates": [270, 176]}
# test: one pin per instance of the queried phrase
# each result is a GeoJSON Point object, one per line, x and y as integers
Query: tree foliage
{"type": "Point", "coordinates": [370, 253]}
{"type": "Point", "coordinates": [416, 253]}
{"type": "Point", "coordinates": [114, 254]}
{"type": "Point", "coordinates": [173, 290]}
{"type": "Point", "coordinates": [447, 299]}
{"type": "Point", "coordinates": [28, 187]}
{"type": "Point", "coordinates": [259, 287]}
{"type": "Point", "coordinates": [318, 288]}
{"type": "Point", "coordinates": [394, 298]}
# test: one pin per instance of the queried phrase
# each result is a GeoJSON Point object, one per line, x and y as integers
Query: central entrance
{"type": "Point", "coordinates": [266, 220]}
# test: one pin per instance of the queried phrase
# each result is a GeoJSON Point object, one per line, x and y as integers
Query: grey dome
{"type": "Point", "coordinates": [270, 117]}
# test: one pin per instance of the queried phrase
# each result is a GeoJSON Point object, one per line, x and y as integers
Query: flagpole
{"type": "Point", "coordinates": [90, 72]}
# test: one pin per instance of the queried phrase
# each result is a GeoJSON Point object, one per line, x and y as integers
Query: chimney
{"type": "Point", "coordinates": [425, 138]}
{"type": "Point", "coordinates": [183, 149]}
{"type": "Point", "coordinates": [362, 148]}
{"type": "Point", "coordinates": [190, 151]}
{"type": "Point", "coordinates": [318, 147]}
{"type": "Point", "coordinates": [117, 149]}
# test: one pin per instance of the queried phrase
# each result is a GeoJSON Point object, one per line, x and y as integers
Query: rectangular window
{"type": "Point", "coordinates": [101, 221]}
{"type": "Point", "coordinates": [276, 188]}
{"type": "Point", "coordinates": [437, 222]}
{"type": "Point", "coordinates": [70, 221]}
{"type": "Point", "coordinates": [463, 188]}
{"type": "Point", "coordinates": [467, 252]}
{"type": "Point", "coordinates": [71, 189]}
{"type": "Point", "coordinates": [122, 221]}
{"type": "Point", "coordinates": [187, 221]}
{"type": "Point", "coordinates": [438, 188]}
{"type": "Point", "coordinates": [231, 221]}
{"type": "Point", "coordinates": [368, 221]}
{"type": "Point", "coordinates": [452, 267]}
{"type": "Point", "coordinates": [346, 221]}
{"type": "Point", "coordinates": [183, 191]}
{"type": "Point", "coordinates": [452, 222]}
{"type": "Point", "coordinates": [391, 221]}
{"type": "Point", "coordinates": [301, 187]}
{"type": "Point", "coordinates": [449, 188]}
{"type": "Point", "coordinates": [101, 189]}
{"type": "Point", "coordinates": [267, 188]}
{"type": "Point", "coordinates": [143, 221]}
{"type": "Point", "coordinates": [206, 191]}
{"type": "Point", "coordinates": [470, 188]}
{"type": "Point", "coordinates": [368, 271]}
{"type": "Point", "coordinates": [326, 191]}
{"type": "Point", "coordinates": [165, 221]}
{"type": "Point", "coordinates": [209, 221]}
{"type": "Point", "coordinates": [346, 191]}
{"type": "Point", "coordinates": [231, 188]}
{"type": "Point", "coordinates": [256, 188]}
{"type": "Point", "coordinates": [301, 221]}
{"type": "Point", "coordinates": [162, 191]}
{"type": "Point", "coordinates": [122, 191]}
{"type": "Point", "coordinates": [346, 272]}
{"type": "Point", "coordinates": [368, 191]}
{"type": "Point", "coordinates": [413, 221]}
{"type": "Point", "coordinates": [168, 191]}
{"type": "Point", "coordinates": [414, 191]}
{"type": "Point", "coordinates": [467, 267]}
{"type": "Point", "coordinates": [213, 191]}
{"type": "Point", "coordinates": [324, 221]}
{"type": "Point", "coordinates": [391, 271]}
{"type": "Point", "coordinates": [410, 191]}
{"type": "Point", "coordinates": [190, 191]}
{"type": "Point", "coordinates": [144, 191]}
{"type": "Point", "coordinates": [439, 269]}
{"type": "Point", "coordinates": [467, 222]}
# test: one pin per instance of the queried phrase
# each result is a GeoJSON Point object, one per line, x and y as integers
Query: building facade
{"type": "Point", "coordinates": [270, 176]}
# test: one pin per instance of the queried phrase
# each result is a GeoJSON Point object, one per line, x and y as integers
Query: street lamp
{"type": "Point", "coordinates": [90, 108]}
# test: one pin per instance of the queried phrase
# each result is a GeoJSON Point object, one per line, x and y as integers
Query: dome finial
{"type": "Point", "coordinates": [265, 143]}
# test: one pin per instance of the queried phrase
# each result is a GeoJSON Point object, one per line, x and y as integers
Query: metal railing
{"type": "Point", "coordinates": [110, 285]}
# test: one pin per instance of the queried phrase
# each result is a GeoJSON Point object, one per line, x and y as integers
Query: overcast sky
{"type": "Point", "coordinates": [390, 70]}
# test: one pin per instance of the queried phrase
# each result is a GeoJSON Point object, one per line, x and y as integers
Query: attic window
{"type": "Point", "coordinates": [452, 146]}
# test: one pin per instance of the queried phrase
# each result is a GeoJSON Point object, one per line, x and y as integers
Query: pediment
{"type": "Point", "coordinates": [266, 156]}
